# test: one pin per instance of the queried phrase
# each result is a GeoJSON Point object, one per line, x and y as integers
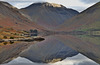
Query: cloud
{"type": "Point", "coordinates": [22, 4]}
{"type": "Point", "coordinates": [81, 4]}
{"type": "Point", "coordinates": [89, 1]}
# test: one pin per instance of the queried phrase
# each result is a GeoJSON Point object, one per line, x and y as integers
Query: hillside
{"type": "Point", "coordinates": [86, 20]}
{"type": "Point", "coordinates": [10, 17]}
{"type": "Point", "coordinates": [48, 15]}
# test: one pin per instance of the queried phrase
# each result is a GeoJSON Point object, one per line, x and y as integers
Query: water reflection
{"type": "Point", "coordinates": [75, 60]}
{"type": "Point", "coordinates": [87, 45]}
{"type": "Point", "coordinates": [58, 47]}
{"type": "Point", "coordinates": [7, 43]}
{"type": "Point", "coordinates": [50, 50]}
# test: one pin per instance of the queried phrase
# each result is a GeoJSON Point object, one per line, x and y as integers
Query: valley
{"type": "Point", "coordinates": [47, 32]}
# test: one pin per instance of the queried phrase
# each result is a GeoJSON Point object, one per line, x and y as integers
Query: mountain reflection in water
{"type": "Point", "coordinates": [75, 60]}
{"type": "Point", "coordinates": [62, 46]}
{"type": "Point", "coordinates": [50, 50]}
{"type": "Point", "coordinates": [59, 49]}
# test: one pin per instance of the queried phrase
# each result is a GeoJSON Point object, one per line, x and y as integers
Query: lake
{"type": "Point", "coordinates": [59, 50]}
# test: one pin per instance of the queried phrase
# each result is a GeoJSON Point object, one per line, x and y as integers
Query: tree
{"type": "Point", "coordinates": [5, 43]}
{"type": "Point", "coordinates": [11, 42]}
{"type": "Point", "coordinates": [11, 37]}
{"type": "Point", "coordinates": [5, 37]}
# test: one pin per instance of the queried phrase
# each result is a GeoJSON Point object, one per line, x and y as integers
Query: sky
{"type": "Point", "coordinates": [78, 5]}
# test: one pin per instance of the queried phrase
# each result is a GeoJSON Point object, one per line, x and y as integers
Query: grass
{"type": "Point", "coordinates": [7, 33]}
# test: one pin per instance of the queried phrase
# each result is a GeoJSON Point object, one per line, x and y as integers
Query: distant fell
{"type": "Point", "coordinates": [48, 15]}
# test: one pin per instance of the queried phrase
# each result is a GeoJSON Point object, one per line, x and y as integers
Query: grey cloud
{"type": "Point", "coordinates": [89, 1]}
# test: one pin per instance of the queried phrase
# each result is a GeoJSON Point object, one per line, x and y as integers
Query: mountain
{"type": "Point", "coordinates": [10, 17]}
{"type": "Point", "coordinates": [86, 20]}
{"type": "Point", "coordinates": [48, 15]}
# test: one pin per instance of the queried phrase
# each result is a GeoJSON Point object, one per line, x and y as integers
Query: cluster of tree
{"type": "Point", "coordinates": [33, 32]}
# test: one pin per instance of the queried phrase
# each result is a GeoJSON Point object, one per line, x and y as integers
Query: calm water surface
{"type": "Point", "coordinates": [60, 47]}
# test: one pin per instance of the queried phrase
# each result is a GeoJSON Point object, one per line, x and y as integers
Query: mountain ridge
{"type": "Point", "coordinates": [48, 15]}
{"type": "Point", "coordinates": [10, 17]}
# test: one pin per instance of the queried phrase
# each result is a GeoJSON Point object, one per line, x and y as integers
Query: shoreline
{"type": "Point", "coordinates": [23, 39]}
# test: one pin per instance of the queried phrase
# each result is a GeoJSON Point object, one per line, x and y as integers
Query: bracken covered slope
{"type": "Point", "coordinates": [10, 17]}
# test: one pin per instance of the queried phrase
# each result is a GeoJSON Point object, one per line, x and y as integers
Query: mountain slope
{"type": "Point", "coordinates": [10, 17]}
{"type": "Point", "coordinates": [88, 19]}
{"type": "Point", "coordinates": [48, 15]}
